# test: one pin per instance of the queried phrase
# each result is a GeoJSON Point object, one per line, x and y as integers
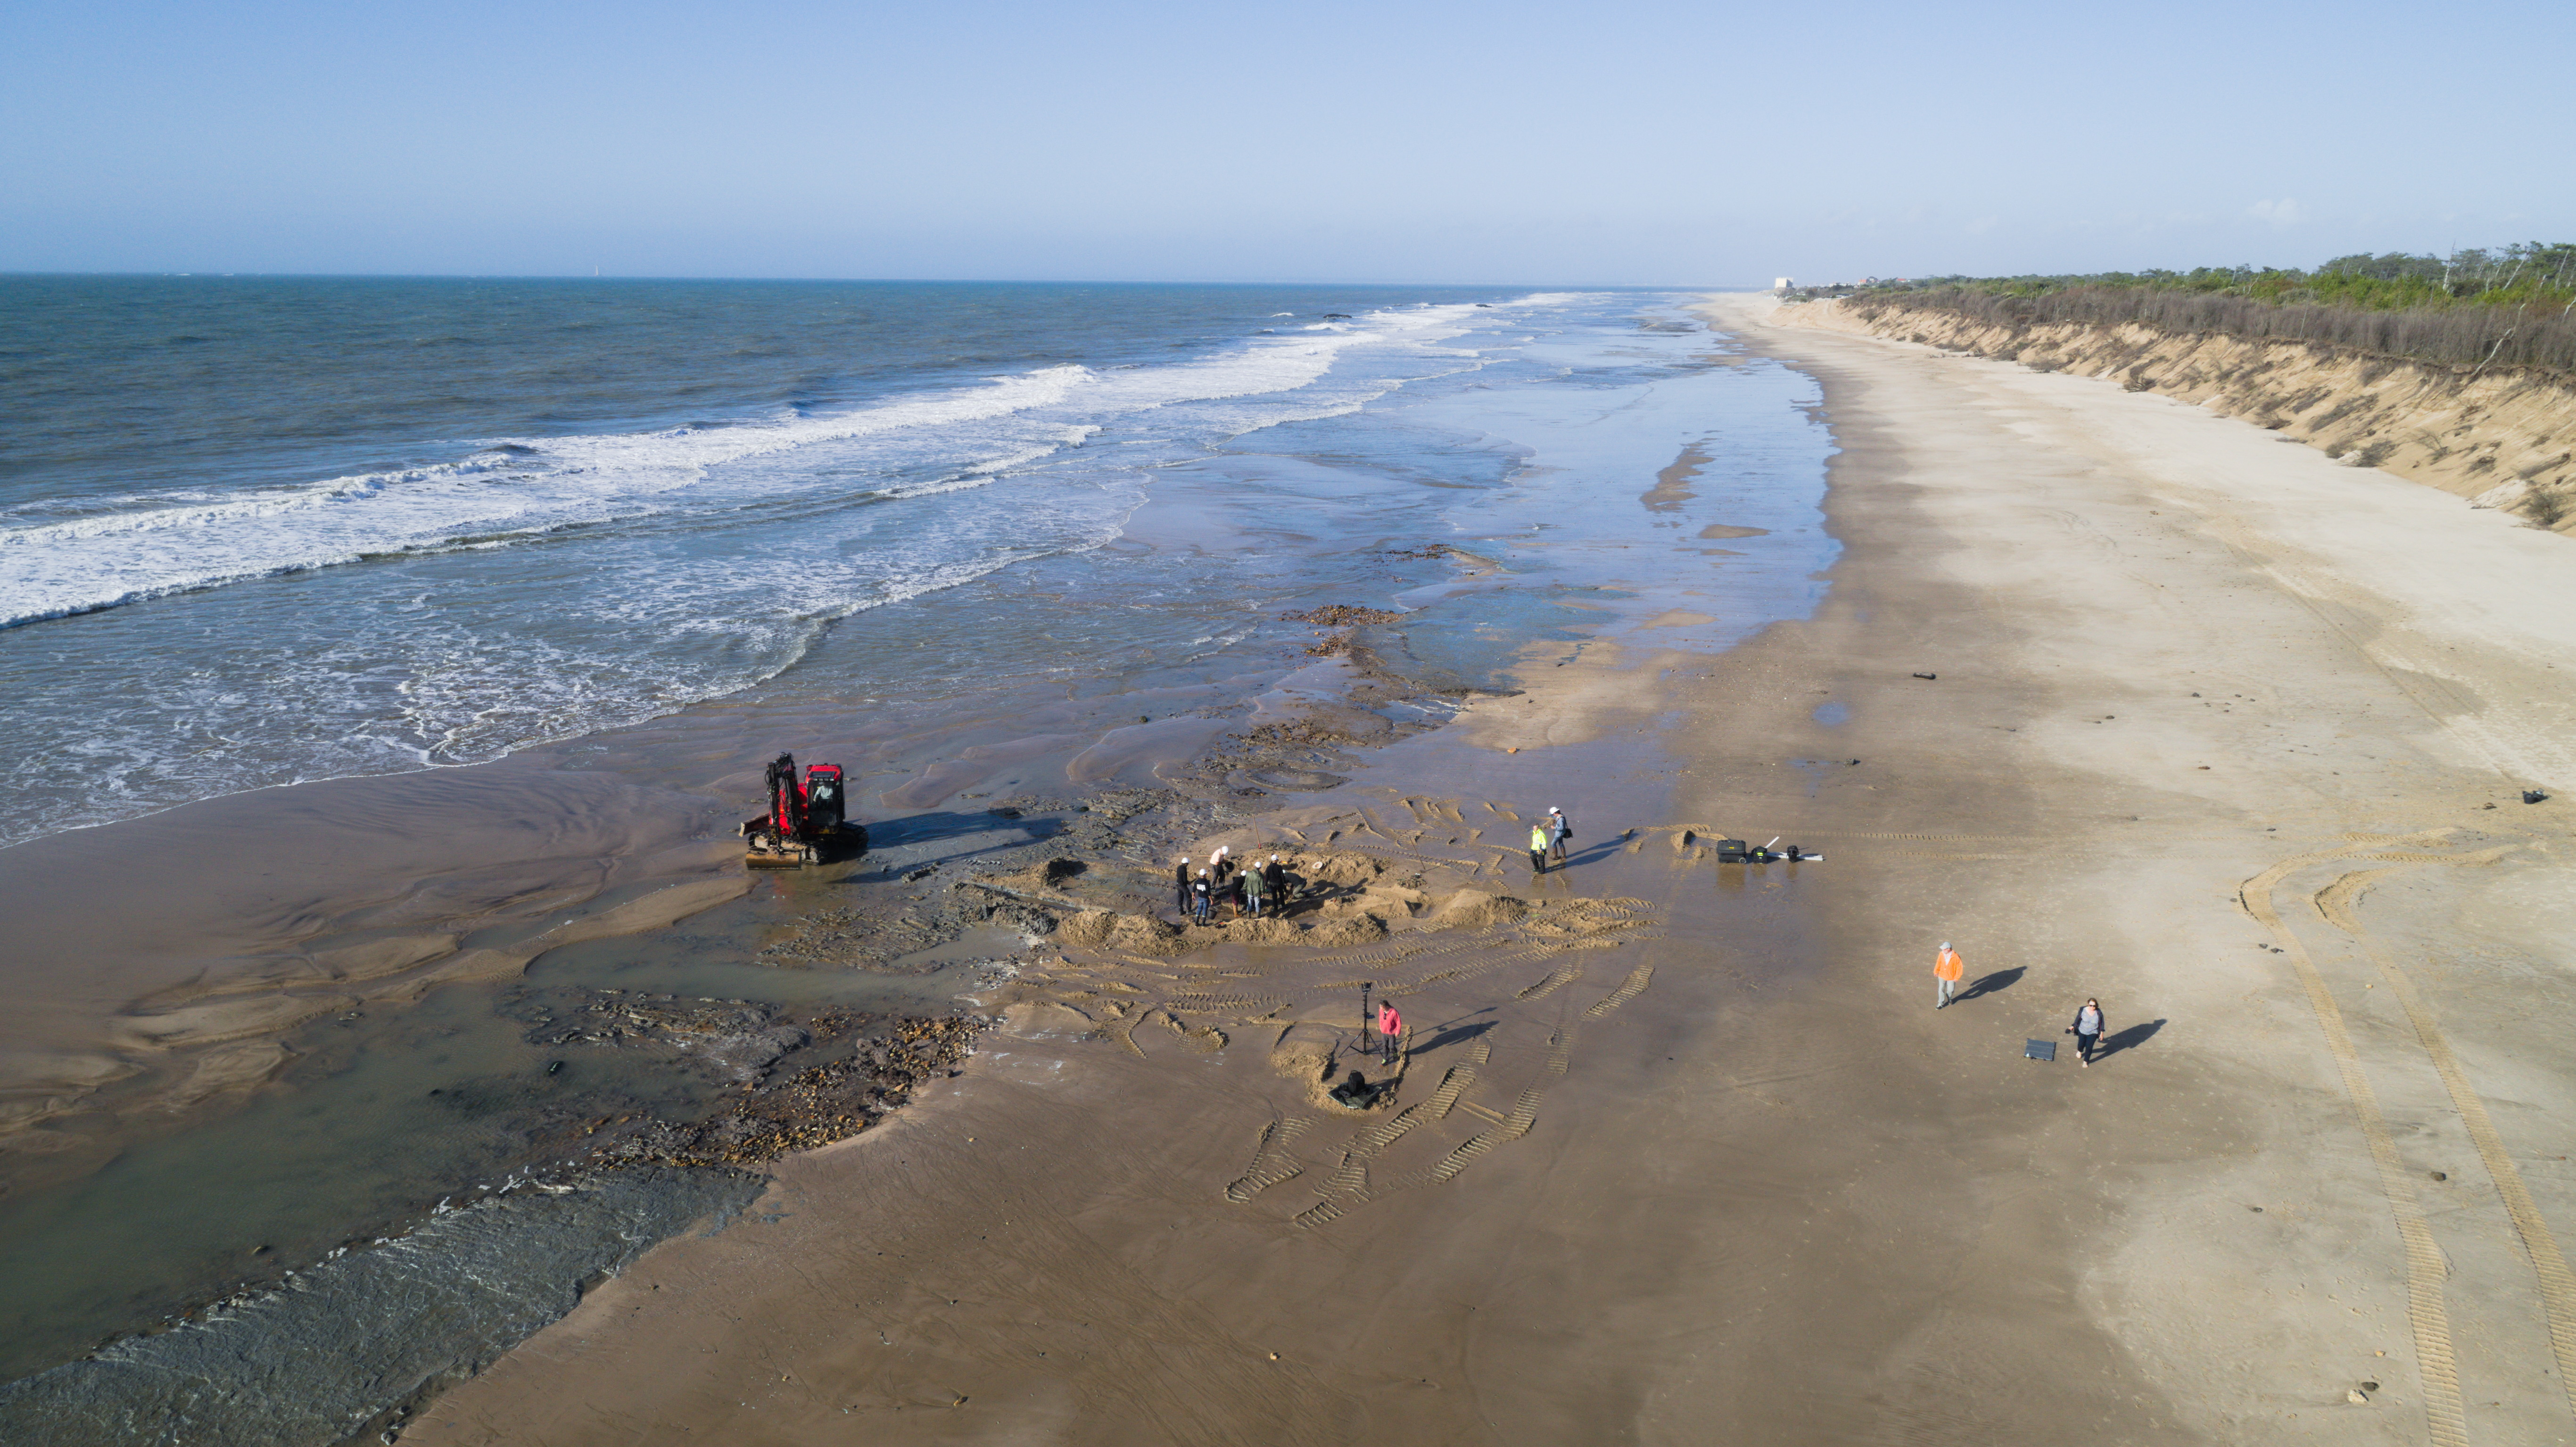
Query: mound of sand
{"type": "Point", "coordinates": [1345, 871]}
{"type": "Point", "coordinates": [1107, 929]}
{"type": "Point", "coordinates": [1102, 929]}
{"type": "Point", "coordinates": [1477, 909]}
{"type": "Point", "coordinates": [1365, 900]}
{"type": "Point", "coordinates": [1270, 931]}
{"type": "Point", "coordinates": [1040, 1019]}
{"type": "Point", "coordinates": [1578, 918]}
{"type": "Point", "coordinates": [1357, 929]}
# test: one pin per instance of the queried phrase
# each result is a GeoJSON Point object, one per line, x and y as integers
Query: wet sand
{"type": "Point", "coordinates": [2211, 735]}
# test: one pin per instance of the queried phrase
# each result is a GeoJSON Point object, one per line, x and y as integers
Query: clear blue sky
{"type": "Point", "coordinates": [1398, 140]}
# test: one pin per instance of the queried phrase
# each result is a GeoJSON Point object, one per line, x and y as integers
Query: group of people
{"type": "Point", "coordinates": [1947, 968]}
{"type": "Point", "coordinates": [1547, 839]}
{"type": "Point", "coordinates": [1250, 888]}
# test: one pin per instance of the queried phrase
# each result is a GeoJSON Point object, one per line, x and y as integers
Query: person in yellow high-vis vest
{"type": "Point", "coordinates": [1947, 967]}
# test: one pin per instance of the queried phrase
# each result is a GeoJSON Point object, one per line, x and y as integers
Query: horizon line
{"type": "Point", "coordinates": [10, 273]}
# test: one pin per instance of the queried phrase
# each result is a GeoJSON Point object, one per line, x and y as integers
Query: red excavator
{"type": "Point", "coordinates": [806, 822]}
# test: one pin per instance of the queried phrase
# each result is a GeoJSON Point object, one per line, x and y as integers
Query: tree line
{"type": "Point", "coordinates": [2513, 306]}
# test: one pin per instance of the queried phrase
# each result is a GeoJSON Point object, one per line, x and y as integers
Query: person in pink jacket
{"type": "Point", "coordinates": [1390, 1026]}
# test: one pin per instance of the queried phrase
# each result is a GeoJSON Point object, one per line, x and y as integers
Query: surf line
{"type": "Point", "coordinates": [2445, 1417]}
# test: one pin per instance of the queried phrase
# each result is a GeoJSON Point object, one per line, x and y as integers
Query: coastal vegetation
{"type": "Point", "coordinates": [2510, 307]}
{"type": "Point", "coordinates": [2458, 372]}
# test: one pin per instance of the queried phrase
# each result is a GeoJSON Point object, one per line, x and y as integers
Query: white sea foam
{"type": "Point", "coordinates": [180, 542]}
{"type": "Point", "coordinates": [654, 570]}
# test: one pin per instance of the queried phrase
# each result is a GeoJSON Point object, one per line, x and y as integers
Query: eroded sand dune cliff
{"type": "Point", "coordinates": [2499, 438]}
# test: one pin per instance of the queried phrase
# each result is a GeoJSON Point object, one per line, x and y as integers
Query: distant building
{"type": "Point", "coordinates": [1783, 284]}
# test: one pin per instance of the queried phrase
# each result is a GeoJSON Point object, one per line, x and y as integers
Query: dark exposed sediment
{"type": "Point", "coordinates": [809, 1107]}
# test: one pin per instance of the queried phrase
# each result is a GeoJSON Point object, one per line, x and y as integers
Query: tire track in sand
{"type": "Point", "coordinates": [2557, 1284]}
{"type": "Point", "coordinates": [1271, 1163]}
{"type": "Point", "coordinates": [2427, 1314]}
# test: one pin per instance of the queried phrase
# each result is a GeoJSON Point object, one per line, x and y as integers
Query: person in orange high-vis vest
{"type": "Point", "coordinates": [1947, 967]}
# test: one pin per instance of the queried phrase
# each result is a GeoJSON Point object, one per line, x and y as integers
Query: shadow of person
{"type": "Point", "coordinates": [2129, 1039]}
{"type": "Point", "coordinates": [1988, 984]}
{"type": "Point", "coordinates": [1454, 1035]}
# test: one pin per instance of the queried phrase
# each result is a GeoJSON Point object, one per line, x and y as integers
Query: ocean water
{"type": "Point", "coordinates": [257, 531]}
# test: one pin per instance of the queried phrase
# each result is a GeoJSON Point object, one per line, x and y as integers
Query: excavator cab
{"type": "Point", "coordinates": [823, 798]}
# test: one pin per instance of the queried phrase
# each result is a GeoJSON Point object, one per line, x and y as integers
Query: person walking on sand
{"type": "Point", "coordinates": [1559, 830]}
{"type": "Point", "coordinates": [1390, 1027]}
{"type": "Point", "coordinates": [2087, 1031]}
{"type": "Point", "coordinates": [1947, 967]}
{"type": "Point", "coordinates": [1202, 897]}
{"type": "Point", "coordinates": [1538, 849]}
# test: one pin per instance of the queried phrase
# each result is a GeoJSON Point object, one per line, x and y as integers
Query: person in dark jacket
{"type": "Point", "coordinates": [2087, 1030]}
{"type": "Point", "coordinates": [1181, 885]}
{"type": "Point", "coordinates": [1202, 897]}
{"type": "Point", "coordinates": [1274, 878]}
{"type": "Point", "coordinates": [1559, 830]}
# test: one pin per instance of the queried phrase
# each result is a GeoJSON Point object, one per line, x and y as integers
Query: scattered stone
{"type": "Point", "coordinates": [812, 1107]}
{"type": "Point", "coordinates": [1342, 617]}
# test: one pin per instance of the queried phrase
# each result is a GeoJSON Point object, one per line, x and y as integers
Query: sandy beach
{"type": "Point", "coordinates": [2130, 701]}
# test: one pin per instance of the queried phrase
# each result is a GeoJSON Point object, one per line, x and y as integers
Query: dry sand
{"type": "Point", "coordinates": [1682, 1153]}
